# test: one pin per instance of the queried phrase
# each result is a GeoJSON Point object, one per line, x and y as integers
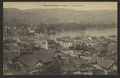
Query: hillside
{"type": "Point", "coordinates": [61, 16]}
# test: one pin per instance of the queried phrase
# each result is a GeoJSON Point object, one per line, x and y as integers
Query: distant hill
{"type": "Point", "coordinates": [58, 16]}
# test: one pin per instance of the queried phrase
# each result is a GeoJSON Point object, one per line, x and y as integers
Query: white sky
{"type": "Point", "coordinates": [66, 5]}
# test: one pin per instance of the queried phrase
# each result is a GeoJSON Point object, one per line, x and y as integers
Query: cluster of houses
{"type": "Point", "coordinates": [85, 55]}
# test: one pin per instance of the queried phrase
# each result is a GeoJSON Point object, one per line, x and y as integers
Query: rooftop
{"type": "Point", "coordinates": [31, 59]}
{"type": "Point", "coordinates": [104, 63]}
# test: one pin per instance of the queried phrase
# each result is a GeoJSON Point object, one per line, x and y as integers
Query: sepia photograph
{"type": "Point", "coordinates": [60, 38]}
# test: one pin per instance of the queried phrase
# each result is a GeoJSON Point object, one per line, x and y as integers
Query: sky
{"type": "Point", "coordinates": [66, 5]}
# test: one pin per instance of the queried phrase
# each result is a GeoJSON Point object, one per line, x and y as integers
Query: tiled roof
{"type": "Point", "coordinates": [31, 59]}
{"type": "Point", "coordinates": [105, 63]}
{"type": "Point", "coordinates": [11, 55]}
